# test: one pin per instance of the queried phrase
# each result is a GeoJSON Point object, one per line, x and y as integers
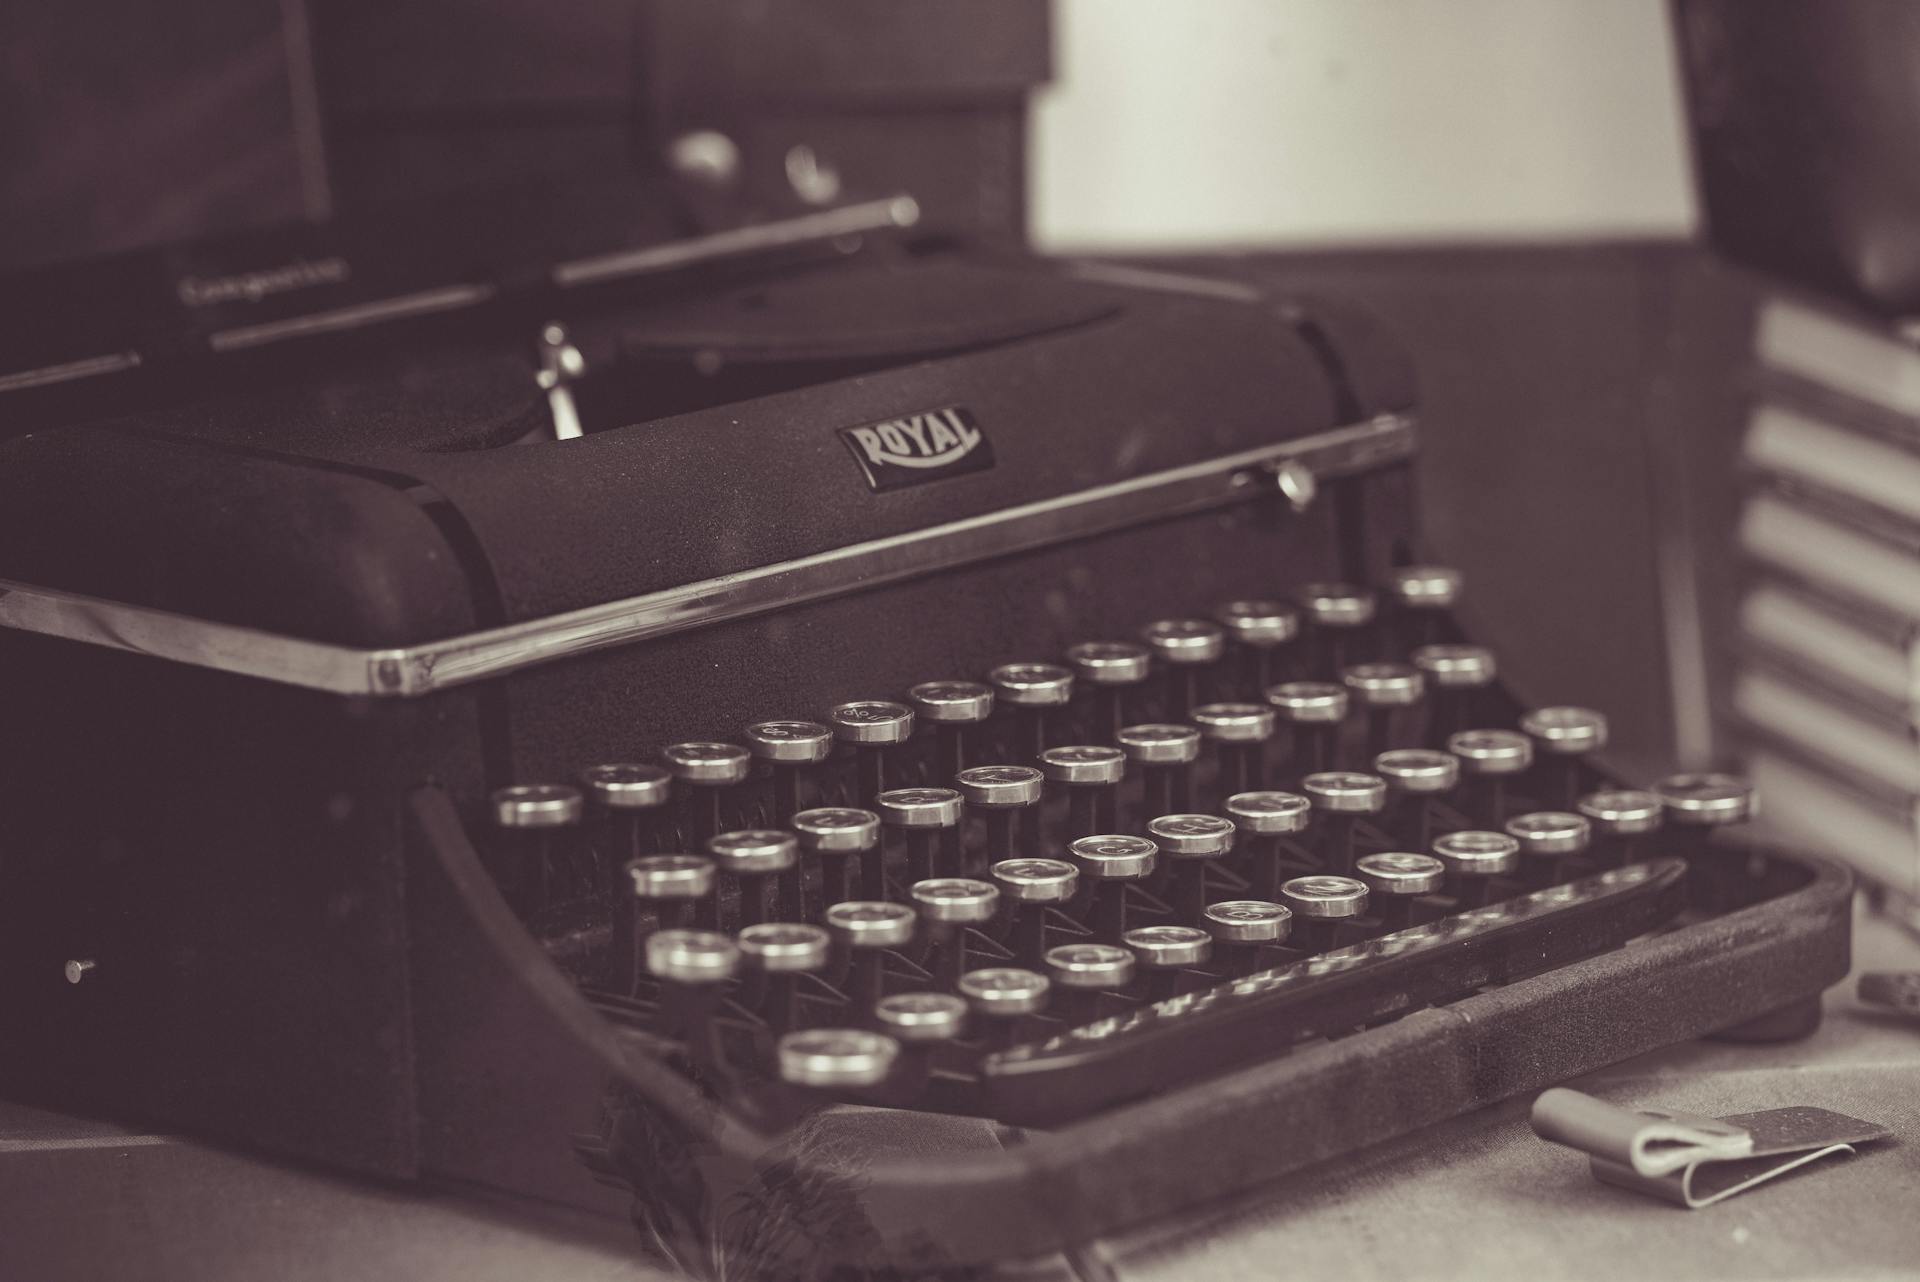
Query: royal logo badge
{"type": "Point", "coordinates": [917, 448]}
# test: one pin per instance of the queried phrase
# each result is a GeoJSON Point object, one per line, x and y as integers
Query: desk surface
{"type": "Point", "coordinates": [1477, 1197]}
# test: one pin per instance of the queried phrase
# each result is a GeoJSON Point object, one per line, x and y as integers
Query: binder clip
{"type": "Point", "coordinates": [1896, 990]}
{"type": "Point", "coordinates": [1690, 1160]}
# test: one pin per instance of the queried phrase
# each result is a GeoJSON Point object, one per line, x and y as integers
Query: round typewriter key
{"type": "Point", "coordinates": [1563, 737]}
{"type": "Point", "coordinates": [1394, 879]}
{"type": "Point", "coordinates": [1425, 587]}
{"type": "Point", "coordinates": [753, 858]}
{"type": "Point", "coordinates": [1706, 800]}
{"type": "Point", "coordinates": [1416, 779]}
{"type": "Point", "coordinates": [1259, 630]}
{"type": "Point", "coordinates": [785, 947]}
{"type": "Point", "coordinates": [538, 805]}
{"type": "Point", "coordinates": [1491, 752]}
{"type": "Point", "coordinates": [624, 793]}
{"type": "Point", "coordinates": [1033, 886]}
{"type": "Point", "coordinates": [534, 863]}
{"type": "Point", "coordinates": [1340, 614]}
{"type": "Point", "coordinates": [928, 822]}
{"type": "Point", "coordinates": [1384, 691]}
{"type": "Point", "coordinates": [1238, 733]}
{"type": "Point", "coordinates": [1322, 903]}
{"type": "Point", "coordinates": [1266, 820]}
{"type": "Point", "coordinates": [1165, 754]}
{"type": "Point", "coordinates": [1456, 666]}
{"type": "Point", "coordinates": [704, 770]}
{"type": "Point", "coordinates": [1423, 596]}
{"type": "Point", "coordinates": [951, 707]}
{"type": "Point", "coordinates": [1003, 996]}
{"type": "Point", "coordinates": [836, 1059]}
{"type": "Point", "coordinates": [1001, 787]}
{"type": "Point", "coordinates": [708, 765]}
{"type": "Point", "coordinates": [788, 747]}
{"type": "Point", "coordinates": [1090, 774]}
{"type": "Point", "coordinates": [1082, 972]}
{"type": "Point", "coordinates": [1192, 836]}
{"type": "Point", "coordinates": [1418, 771]}
{"type": "Point", "coordinates": [1112, 862]}
{"type": "Point", "coordinates": [1001, 992]}
{"type": "Point", "coordinates": [1325, 898]}
{"type": "Point", "coordinates": [1163, 952]}
{"type": "Point", "coordinates": [1096, 966]}
{"type": "Point", "coordinates": [1700, 804]}
{"type": "Point", "coordinates": [1455, 676]}
{"type": "Point", "coordinates": [1566, 731]}
{"type": "Point", "coordinates": [947, 906]}
{"type": "Point", "coordinates": [1313, 712]}
{"type": "Point", "coordinates": [1488, 758]}
{"type": "Point", "coordinates": [1036, 881]}
{"type": "Point", "coordinates": [1383, 685]}
{"type": "Point", "coordinates": [918, 1018]}
{"type": "Point", "coordinates": [1084, 764]}
{"type": "Point", "coordinates": [1341, 798]}
{"type": "Point", "coordinates": [1475, 860]}
{"type": "Point", "coordinates": [1165, 947]}
{"type": "Point", "coordinates": [676, 878]}
{"type": "Point", "coordinates": [1007, 798]}
{"type": "Point", "coordinates": [874, 727]}
{"type": "Point", "coordinates": [800, 743]}
{"type": "Point", "coordinates": [1242, 927]}
{"type": "Point", "coordinates": [1622, 818]}
{"type": "Point", "coordinates": [959, 703]}
{"type": "Point", "coordinates": [866, 930]}
{"type": "Point", "coordinates": [1345, 792]}
{"type": "Point", "coordinates": [1032, 685]}
{"type": "Point", "coordinates": [1338, 605]}
{"type": "Point", "coordinates": [1247, 921]}
{"type": "Point", "coordinates": [776, 953]}
{"type": "Point", "coordinates": [1261, 624]}
{"type": "Point", "coordinates": [692, 967]}
{"type": "Point", "coordinates": [872, 722]}
{"type": "Point", "coordinates": [1106, 671]}
{"type": "Point", "coordinates": [837, 838]}
{"type": "Point", "coordinates": [1185, 647]}
{"type": "Point", "coordinates": [1192, 843]}
{"type": "Point", "coordinates": [1035, 691]}
{"type": "Point", "coordinates": [692, 956]}
{"type": "Point", "coordinates": [1548, 839]}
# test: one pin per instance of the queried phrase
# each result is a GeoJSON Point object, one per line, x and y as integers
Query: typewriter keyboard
{"type": "Point", "coordinates": [1077, 879]}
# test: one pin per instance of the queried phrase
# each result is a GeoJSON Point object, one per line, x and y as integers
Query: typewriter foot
{"type": "Point", "coordinates": [1787, 1023]}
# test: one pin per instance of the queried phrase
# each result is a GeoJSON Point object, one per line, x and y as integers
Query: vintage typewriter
{"type": "Point", "coordinates": [882, 756]}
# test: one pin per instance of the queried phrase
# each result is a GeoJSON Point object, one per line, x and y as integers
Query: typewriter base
{"type": "Point", "coordinates": [692, 1167]}
{"type": "Point", "coordinates": [1789, 1023]}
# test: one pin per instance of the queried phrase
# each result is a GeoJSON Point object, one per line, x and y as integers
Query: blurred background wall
{"type": "Point", "coordinates": [1250, 122]}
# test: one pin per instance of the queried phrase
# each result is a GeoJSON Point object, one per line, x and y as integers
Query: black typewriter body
{"type": "Point", "coordinates": [417, 491]}
{"type": "Point", "coordinates": [268, 662]}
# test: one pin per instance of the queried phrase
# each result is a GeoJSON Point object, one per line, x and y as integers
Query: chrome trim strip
{"type": "Point", "coordinates": [848, 220]}
{"type": "Point", "coordinates": [437, 665]}
{"type": "Point", "coordinates": [425, 303]}
{"type": "Point", "coordinates": [66, 373]}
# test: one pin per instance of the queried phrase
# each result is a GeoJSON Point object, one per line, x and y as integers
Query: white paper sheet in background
{"type": "Point", "coordinates": [1213, 123]}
